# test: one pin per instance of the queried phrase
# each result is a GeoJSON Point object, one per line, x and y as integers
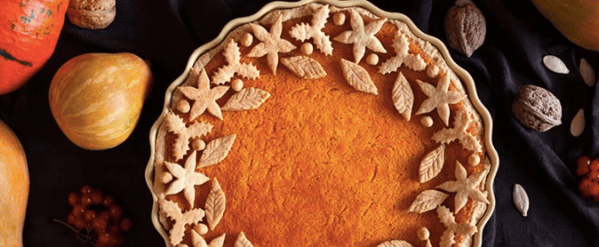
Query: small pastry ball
{"type": "Point", "coordinates": [339, 18]}
{"type": "Point", "coordinates": [372, 59]}
{"type": "Point", "coordinates": [427, 121]}
{"type": "Point", "coordinates": [183, 106]}
{"type": "Point", "coordinates": [198, 145]}
{"type": "Point", "coordinates": [246, 40]}
{"type": "Point", "coordinates": [307, 49]}
{"type": "Point", "coordinates": [432, 71]}
{"type": "Point", "coordinates": [423, 233]}
{"type": "Point", "coordinates": [237, 85]}
{"type": "Point", "coordinates": [474, 160]}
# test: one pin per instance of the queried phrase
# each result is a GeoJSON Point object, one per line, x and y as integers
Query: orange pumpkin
{"type": "Point", "coordinates": [29, 31]}
{"type": "Point", "coordinates": [96, 98]}
{"type": "Point", "coordinates": [578, 20]}
{"type": "Point", "coordinates": [14, 188]}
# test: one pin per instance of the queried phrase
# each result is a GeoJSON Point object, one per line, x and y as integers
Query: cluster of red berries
{"type": "Point", "coordinates": [98, 216]}
{"type": "Point", "coordinates": [589, 170]}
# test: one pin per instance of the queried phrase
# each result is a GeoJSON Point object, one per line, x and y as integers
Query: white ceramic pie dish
{"type": "Point", "coordinates": [465, 78]}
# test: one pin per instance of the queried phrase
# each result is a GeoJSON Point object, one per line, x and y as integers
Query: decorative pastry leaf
{"type": "Point", "coordinates": [403, 97]}
{"type": "Point", "coordinates": [395, 243]}
{"type": "Point", "coordinates": [242, 241]}
{"type": "Point", "coordinates": [232, 55]}
{"type": "Point", "coordinates": [459, 132]}
{"type": "Point", "coordinates": [439, 98]}
{"type": "Point", "coordinates": [432, 164]}
{"type": "Point", "coordinates": [272, 43]}
{"type": "Point", "coordinates": [358, 77]}
{"type": "Point", "coordinates": [199, 241]}
{"type": "Point", "coordinates": [303, 31]}
{"type": "Point", "coordinates": [176, 125]}
{"type": "Point", "coordinates": [216, 151]}
{"type": "Point", "coordinates": [427, 201]}
{"type": "Point", "coordinates": [215, 205]}
{"type": "Point", "coordinates": [401, 47]}
{"type": "Point", "coordinates": [304, 67]}
{"type": "Point", "coordinates": [172, 210]}
{"type": "Point", "coordinates": [186, 178]}
{"type": "Point", "coordinates": [464, 229]}
{"type": "Point", "coordinates": [362, 36]}
{"type": "Point", "coordinates": [246, 99]}
{"type": "Point", "coordinates": [204, 97]}
{"type": "Point", "coordinates": [465, 186]}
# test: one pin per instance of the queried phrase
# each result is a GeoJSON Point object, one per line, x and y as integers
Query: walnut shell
{"type": "Point", "coordinates": [537, 108]}
{"type": "Point", "coordinates": [465, 27]}
{"type": "Point", "coordinates": [92, 14]}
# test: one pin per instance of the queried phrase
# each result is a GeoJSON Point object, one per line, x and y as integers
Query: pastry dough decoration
{"type": "Point", "coordinates": [246, 99]}
{"type": "Point", "coordinates": [234, 66]}
{"type": "Point", "coordinates": [304, 67]}
{"type": "Point", "coordinates": [186, 178]}
{"type": "Point", "coordinates": [465, 186]}
{"type": "Point", "coordinates": [403, 96]}
{"type": "Point", "coordinates": [204, 97]}
{"type": "Point", "coordinates": [395, 243]}
{"type": "Point", "coordinates": [216, 151]}
{"type": "Point", "coordinates": [176, 125]}
{"type": "Point", "coordinates": [215, 205]}
{"type": "Point", "coordinates": [272, 44]}
{"type": "Point", "coordinates": [459, 132]}
{"type": "Point", "coordinates": [427, 201]}
{"type": "Point", "coordinates": [464, 229]}
{"type": "Point", "coordinates": [358, 77]}
{"type": "Point", "coordinates": [172, 211]}
{"type": "Point", "coordinates": [431, 164]}
{"type": "Point", "coordinates": [439, 97]}
{"type": "Point", "coordinates": [401, 47]}
{"type": "Point", "coordinates": [242, 241]}
{"type": "Point", "coordinates": [304, 31]}
{"type": "Point", "coordinates": [362, 36]}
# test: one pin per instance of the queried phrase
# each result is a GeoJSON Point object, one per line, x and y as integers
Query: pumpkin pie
{"type": "Point", "coordinates": [322, 123]}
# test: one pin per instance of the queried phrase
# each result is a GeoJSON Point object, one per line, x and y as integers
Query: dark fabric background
{"type": "Point", "coordinates": [166, 33]}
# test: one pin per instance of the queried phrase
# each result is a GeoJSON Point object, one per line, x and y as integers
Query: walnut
{"type": "Point", "coordinates": [465, 27]}
{"type": "Point", "coordinates": [537, 108]}
{"type": "Point", "coordinates": [92, 14]}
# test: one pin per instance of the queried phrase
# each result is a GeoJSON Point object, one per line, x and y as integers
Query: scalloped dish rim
{"type": "Point", "coordinates": [464, 76]}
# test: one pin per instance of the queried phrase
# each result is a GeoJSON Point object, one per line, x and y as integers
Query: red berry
{"type": "Point", "coordinates": [108, 201]}
{"type": "Point", "coordinates": [78, 211]}
{"type": "Point", "coordinates": [116, 212]}
{"type": "Point", "coordinates": [126, 225]}
{"type": "Point", "coordinates": [86, 200]}
{"type": "Point", "coordinates": [86, 189]}
{"type": "Point", "coordinates": [100, 224]}
{"type": "Point", "coordinates": [583, 163]}
{"type": "Point", "coordinates": [105, 215]}
{"type": "Point", "coordinates": [119, 240]}
{"type": "Point", "coordinates": [71, 219]}
{"type": "Point", "coordinates": [97, 197]}
{"type": "Point", "coordinates": [594, 166]}
{"type": "Point", "coordinates": [104, 239]}
{"type": "Point", "coordinates": [593, 174]}
{"type": "Point", "coordinates": [74, 198]}
{"type": "Point", "coordinates": [585, 188]}
{"type": "Point", "coordinates": [90, 215]}
{"type": "Point", "coordinates": [80, 223]}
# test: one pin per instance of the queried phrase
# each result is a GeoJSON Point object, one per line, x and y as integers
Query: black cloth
{"type": "Point", "coordinates": [167, 32]}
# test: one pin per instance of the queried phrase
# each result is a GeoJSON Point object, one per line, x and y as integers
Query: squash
{"type": "Point", "coordinates": [14, 188]}
{"type": "Point", "coordinates": [29, 31]}
{"type": "Point", "coordinates": [578, 20]}
{"type": "Point", "coordinates": [96, 98]}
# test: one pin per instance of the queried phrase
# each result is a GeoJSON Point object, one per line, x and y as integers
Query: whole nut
{"type": "Point", "coordinates": [92, 14]}
{"type": "Point", "coordinates": [465, 27]}
{"type": "Point", "coordinates": [537, 108]}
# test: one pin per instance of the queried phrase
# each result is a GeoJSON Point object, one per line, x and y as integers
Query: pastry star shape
{"type": "Point", "coordinates": [186, 178]}
{"type": "Point", "coordinates": [464, 229]}
{"type": "Point", "coordinates": [439, 98]}
{"type": "Point", "coordinates": [271, 44]}
{"type": "Point", "coordinates": [204, 97]}
{"type": "Point", "coordinates": [362, 36]}
{"type": "Point", "coordinates": [465, 186]}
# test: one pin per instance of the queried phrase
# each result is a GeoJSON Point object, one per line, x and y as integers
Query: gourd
{"type": "Point", "coordinates": [578, 20]}
{"type": "Point", "coordinates": [14, 188]}
{"type": "Point", "coordinates": [29, 31]}
{"type": "Point", "coordinates": [96, 98]}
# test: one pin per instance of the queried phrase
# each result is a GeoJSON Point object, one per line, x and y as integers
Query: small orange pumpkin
{"type": "Point", "coordinates": [578, 20]}
{"type": "Point", "coordinates": [14, 188]}
{"type": "Point", "coordinates": [96, 98]}
{"type": "Point", "coordinates": [29, 31]}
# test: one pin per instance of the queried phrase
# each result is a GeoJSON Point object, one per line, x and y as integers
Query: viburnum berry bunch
{"type": "Point", "coordinates": [96, 218]}
{"type": "Point", "coordinates": [589, 170]}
